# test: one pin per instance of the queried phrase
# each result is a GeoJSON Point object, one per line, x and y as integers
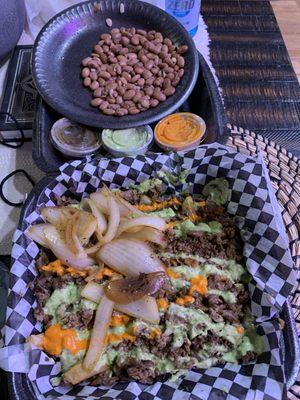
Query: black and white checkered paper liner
{"type": "Point", "coordinates": [266, 253]}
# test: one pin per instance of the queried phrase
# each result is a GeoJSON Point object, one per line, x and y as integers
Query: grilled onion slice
{"type": "Point", "coordinates": [127, 290]}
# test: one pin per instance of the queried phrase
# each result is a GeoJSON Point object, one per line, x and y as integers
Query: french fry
{"type": "Point", "coordinates": [36, 340]}
{"type": "Point", "coordinates": [77, 373]}
{"type": "Point", "coordinates": [97, 342]}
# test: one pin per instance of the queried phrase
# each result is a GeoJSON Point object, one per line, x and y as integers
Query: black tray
{"type": "Point", "coordinates": [57, 77]}
{"type": "Point", "coordinates": [20, 387]}
{"type": "Point", "coordinates": [205, 101]}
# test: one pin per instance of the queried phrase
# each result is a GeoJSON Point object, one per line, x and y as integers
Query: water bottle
{"type": "Point", "coordinates": [157, 3]}
{"type": "Point", "coordinates": [186, 12]}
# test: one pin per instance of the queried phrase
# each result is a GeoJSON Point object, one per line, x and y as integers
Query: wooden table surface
{"type": "Point", "coordinates": [287, 13]}
{"type": "Point", "coordinates": [260, 88]}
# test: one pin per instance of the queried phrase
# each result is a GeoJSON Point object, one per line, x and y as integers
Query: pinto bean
{"type": "Point", "coordinates": [183, 49]}
{"type": "Point", "coordinates": [131, 70]}
{"type": "Point", "coordinates": [159, 95]}
{"type": "Point", "coordinates": [146, 74]}
{"type": "Point", "coordinates": [104, 75]}
{"type": "Point", "coordinates": [86, 61]}
{"type": "Point", "coordinates": [135, 40]}
{"type": "Point", "coordinates": [109, 111]}
{"type": "Point", "coordinates": [133, 110]}
{"type": "Point", "coordinates": [169, 91]}
{"type": "Point", "coordinates": [85, 72]}
{"type": "Point", "coordinates": [96, 102]}
{"type": "Point", "coordinates": [180, 61]}
{"type": "Point", "coordinates": [94, 85]}
{"type": "Point", "coordinates": [104, 105]}
{"type": "Point", "coordinates": [154, 103]}
{"type": "Point", "coordinates": [129, 94]}
{"type": "Point", "coordinates": [87, 82]}
{"type": "Point", "coordinates": [121, 111]}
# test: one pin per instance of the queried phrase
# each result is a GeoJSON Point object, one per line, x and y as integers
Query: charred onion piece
{"type": "Point", "coordinates": [124, 291]}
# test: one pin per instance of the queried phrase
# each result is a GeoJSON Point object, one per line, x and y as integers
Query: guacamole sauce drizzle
{"type": "Point", "coordinates": [125, 139]}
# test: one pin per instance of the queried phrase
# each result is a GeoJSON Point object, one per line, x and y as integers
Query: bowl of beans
{"type": "Point", "coordinates": [114, 63]}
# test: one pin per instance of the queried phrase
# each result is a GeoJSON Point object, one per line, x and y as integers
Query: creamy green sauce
{"type": "Point", "coordinates": [147, 185]}
{"type": "Point", "coordinates": [245, 345]}
{"type": "Point", "coordinates": [69, 295]}
{"type": "Point", "coordinates": [68, 360]}
{"type": "Point", "coordinates": [195, 317]}
{"type": "Point", "coordinates": [117, 330]}
{"type": "Point", "coordinates": [125, 139]}
{"type": "Point", "coordinates": [55, 381]}
{"type": "Point", "coordinates": [88, 304]}
{"type": "Point", "coordinates": [217, 190]}
{"type": "Point", "coordinates": [165, 213]}
{"type": "Point", "coordinates": [140, 353]}
{"type": "Point", "coordinates": [227, 296]}
{"type": "Point", "coordinates": [182, 256]}
{"type": "Point", "coordinates": [233, 270]}
{"type": "Point", "coordinates": [173, 179]}
{"type": "Point", "coordinates": [187, 331]}
{"type": "Point", "coordinates": [183, 228]}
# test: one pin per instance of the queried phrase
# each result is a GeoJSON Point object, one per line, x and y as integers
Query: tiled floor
{"type": "Point", "coordinates": [288, 16]}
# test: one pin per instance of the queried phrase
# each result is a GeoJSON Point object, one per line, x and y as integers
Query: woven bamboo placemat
{"type": "Point", "coordinates": [284, 171]}
{"type": "Point", "coordinates": [259, 87]}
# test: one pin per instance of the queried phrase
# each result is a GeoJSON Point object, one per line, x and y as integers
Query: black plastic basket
{"type": "Point", "coordinates": [204, 101]}
{"type": "Point", "coordinates": [20, 387]}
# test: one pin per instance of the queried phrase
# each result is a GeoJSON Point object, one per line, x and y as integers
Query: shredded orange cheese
{"type": "Point", "coordinates": [158, 205]}
{"type": "Point", "coordinates": [162, 304]}
{"type": "Point", "coordinates": [198, 284]}
{"type": "Point", "coordinates": [104, 272]}
{"type": "Point", "coordinates": [117, 337]}
{"type": "Point", "coordinates": [74, 272]}
{"type": "Point", "coordinates": [171, 224]}
{"type": "Point", "coordinates": [240, 330]}
{"type": "Point", "coordinates": [172, 274]}
{"type": "Point", "coordinates": [182, 301]}
{"type": "Point", "coordinates": [118, 320]}
{"type": "Point", "coordinates": [133, 329]}
{"type": "Point", "coordinates": [56, 267]}
{"type": "Point", "coordinates": [194, 217]}
{"type": "Point", "coordinates": [154, 332]}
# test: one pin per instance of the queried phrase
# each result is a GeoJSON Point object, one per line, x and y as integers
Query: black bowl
{"type": "Point", "coordinates": [71, 35]}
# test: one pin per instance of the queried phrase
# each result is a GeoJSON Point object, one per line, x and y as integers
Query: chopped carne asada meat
{"type": "Point", "coordinates": [219, 282]}
{"type": "Point", "coordinates": [249, 357]}
{"type": "Point", "coordinates": [205, 245]}
{"type": "Point", "coordinates": [131, 195]}
{"type": "Point", "coordinates": [211, 338]}
{"type": "Point", "coordinates": [75, 319]}
{"type": "Point", "coordinates": [201, 306]}
{"type": "Point", "coordinates": [142, 371]}
{"type": "Point", "coordinates": [105, 378]}
{"type": "Point", "coordinates": [166, 291]}
{"type": "Point", "coordinates": [160, 345]}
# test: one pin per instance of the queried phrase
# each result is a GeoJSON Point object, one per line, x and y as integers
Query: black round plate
{"type": "Point", "coordinates": [71, 35]}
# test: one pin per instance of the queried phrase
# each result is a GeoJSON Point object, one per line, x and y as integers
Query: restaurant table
{"type": "Point", "coordinates": [259, 88]}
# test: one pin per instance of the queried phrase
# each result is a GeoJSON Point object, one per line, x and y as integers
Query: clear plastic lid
{"type": "Point", "coordinates": [74, 140]}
